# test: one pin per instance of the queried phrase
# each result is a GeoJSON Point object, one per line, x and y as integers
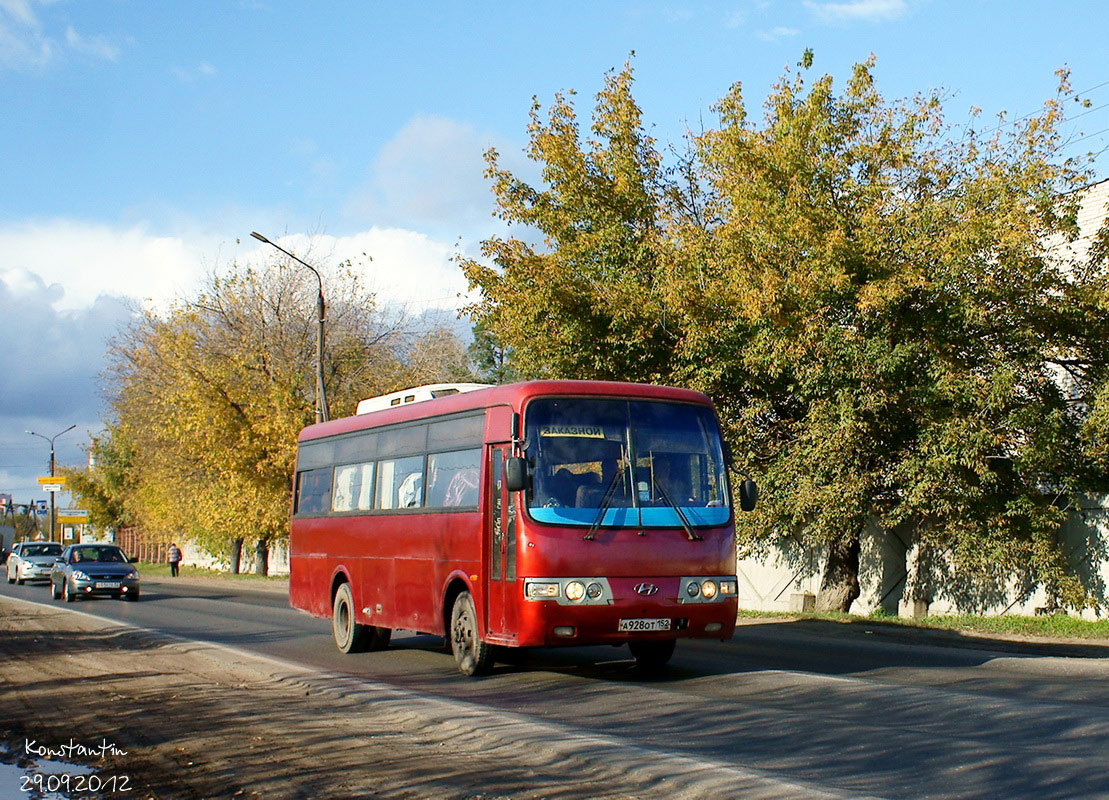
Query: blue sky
{"type": "Point", "coordinates": [142, 141]}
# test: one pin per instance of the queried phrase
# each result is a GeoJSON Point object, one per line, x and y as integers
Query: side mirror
{"type": "Point", "coordinates": [748, 495]}
{"type": "Point", "coordinates": [515, 474]}
{"type": "Point", "coordinates": [133, 560]}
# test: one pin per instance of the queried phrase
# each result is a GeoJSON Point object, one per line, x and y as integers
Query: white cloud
{"type": "Point", "coordinates": [735, 19]}
{"type": "Point", "coordinates": [95, 46]}
{"type": "Point", "coordinates": [429, 174]}
{"type": "Point", "coordinates": [857, 10]}
{"type": "Point", "coordinates": [67, 287]}
{"type": "Point", "coordinates": [27, 43]}
{"type": "Point", "coordinates": [86, 260]}
{"type": "Point", "coordinates": [20, 11]}
{"type": "Point", "coordinates": [22, 43]}
{"type": "Point", "coordinates": [402, 267]}
{"type": "Point", "coordinates": [50, 360]}
{"type": "Point", "coordinates": [778, 33]}
{"type": "Point", "coordinates": [68, 264]}
{"type": "Point", "coordinates": [201, 71]}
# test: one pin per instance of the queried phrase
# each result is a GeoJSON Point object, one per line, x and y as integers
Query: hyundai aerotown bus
{"type": "Point", "coordinates": [535, 514]}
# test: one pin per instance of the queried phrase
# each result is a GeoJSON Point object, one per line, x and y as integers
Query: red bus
{"type": "Point", "coordinates": [533, 514]}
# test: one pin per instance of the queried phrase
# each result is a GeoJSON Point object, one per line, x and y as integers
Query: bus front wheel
{"type": "Point", "coordinates": [472, 655]}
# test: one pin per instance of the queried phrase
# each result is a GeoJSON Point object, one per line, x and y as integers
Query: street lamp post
{"type": "Point", "coordinates": [321, 395]}
{"type": "Point", "coordinates": [51, 440]}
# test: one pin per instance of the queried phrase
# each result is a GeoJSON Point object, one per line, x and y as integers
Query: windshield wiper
{"type": "Point", "coordinates": [606, 501]}
{"type": "Point", "coordinates": [693, 537]}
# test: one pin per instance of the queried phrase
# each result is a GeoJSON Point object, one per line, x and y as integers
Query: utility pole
{"type": "Point", "coordinates": [321, 396]}
{"type": "Point", "coordinates": [51, 440]}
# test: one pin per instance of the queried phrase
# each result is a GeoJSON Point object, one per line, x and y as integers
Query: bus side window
{"type": "Point", "coordinates": [400, 483]}
{"type": "Point", "coordinates": [313, 491]}
{"type": "Point", "coordinates": [348, 485]}
{"type": "Point", "coordinates": [452, 480]}
{"type": "Point", "coordinates": [365, 499]}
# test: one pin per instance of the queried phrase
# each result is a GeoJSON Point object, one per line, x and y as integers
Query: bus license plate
{"type": "Point", "coordinates": [107, 584]}
{"type": "Point", "coordinates": [638, 625]}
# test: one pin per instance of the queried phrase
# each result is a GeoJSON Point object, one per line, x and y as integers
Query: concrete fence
{"type": "Point", "coordinates": [787, 578]}
{"type": "Point", "coordinates": [154, 549]}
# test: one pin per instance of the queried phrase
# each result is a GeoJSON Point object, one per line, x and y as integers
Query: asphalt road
{"type": "Point", "coordinates": [851, 710]}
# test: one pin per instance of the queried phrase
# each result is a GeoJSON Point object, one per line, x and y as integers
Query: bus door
{"type": "Point", "coordinates": [501, 538]}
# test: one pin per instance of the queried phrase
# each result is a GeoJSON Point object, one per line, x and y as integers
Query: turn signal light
{"type": "Point", "coordinates": [543, 589]}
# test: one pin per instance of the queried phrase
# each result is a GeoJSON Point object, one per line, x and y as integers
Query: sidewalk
{"type": "Point", "coordinates": [245, 584]}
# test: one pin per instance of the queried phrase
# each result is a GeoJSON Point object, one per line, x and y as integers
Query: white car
{"type": "Point", "coordinates": [31, 561]}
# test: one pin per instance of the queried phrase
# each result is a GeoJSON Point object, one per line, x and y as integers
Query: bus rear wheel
{"type": "Point", "coordinates": [351, 636]}
{"type": "Point", "coordinates": [473, 656]}
{"type": "Point", "coordinates": [652, 656]}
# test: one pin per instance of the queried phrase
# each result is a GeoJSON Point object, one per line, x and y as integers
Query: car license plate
{"type": "Point", "coordinates": [638, 625]}
{"type": "Point", "coordinates": [107, 584]}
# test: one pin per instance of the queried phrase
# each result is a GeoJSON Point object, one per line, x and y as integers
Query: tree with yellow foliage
{"type": "Point", "coordinates": [209, 396]}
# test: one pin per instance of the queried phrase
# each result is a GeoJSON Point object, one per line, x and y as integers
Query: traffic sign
{"type": "Point", "coordinates": [52, 479]}
{"type": "Point", "coordinates": [52, 487]}
{"type": "Point", "coordinates": [73, 515]}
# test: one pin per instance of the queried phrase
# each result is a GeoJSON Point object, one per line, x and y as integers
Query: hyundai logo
{"type": "Point", "coordinates": [646, 588]}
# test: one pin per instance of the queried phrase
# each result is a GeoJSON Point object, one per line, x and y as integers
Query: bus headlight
{"type": "Point", "coordinates": [543, 589]}
{"type": "Point", "coordinates": [702, 589]}
{"type": "Point", "coordinates": [569, 591]}
{"type": "Point", "coordinates": [575, 590]}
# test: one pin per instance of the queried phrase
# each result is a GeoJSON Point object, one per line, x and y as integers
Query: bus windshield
{"type": "Point", "coordinates": [625, 463]}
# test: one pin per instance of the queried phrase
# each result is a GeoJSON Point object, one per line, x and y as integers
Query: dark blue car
{"type": "Point", "coordinates": [85, 570]}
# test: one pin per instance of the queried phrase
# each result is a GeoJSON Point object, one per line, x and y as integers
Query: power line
{"type": "Point", "coordinates": [1090, 111]}
{"type": "Point", "coordinates": [1031, 114]}
{"type": "Point", "coordinates": [1089, 136]}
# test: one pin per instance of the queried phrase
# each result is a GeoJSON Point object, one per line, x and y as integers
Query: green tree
{"type": "Point", "coordinates": [899, 311]}
{"type": "Point", "coordinates": [104, 488]}
{"type": "Point", "coordinates": [866, 291]}
{"type": "Point", "coordinates": [583, 303]}
{"type": "Point", "coordinates": [491, 360]}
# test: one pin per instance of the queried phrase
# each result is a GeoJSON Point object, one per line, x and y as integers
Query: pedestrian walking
{"type": "Point", "coordinates": [174, 559]}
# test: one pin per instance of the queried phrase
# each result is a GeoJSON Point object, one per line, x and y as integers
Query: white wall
{"type": "Point", "coordinates": [780, 580]}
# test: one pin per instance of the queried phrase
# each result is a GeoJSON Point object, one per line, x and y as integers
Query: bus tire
{"type": "Point", "coordinates": [350, 637]}
{"type": "Point", "coordinates": [377, 638]}
{"type": "Point", "coordinates": [652, 656]}
{"type": "Point", "coordinates": [473, 656]}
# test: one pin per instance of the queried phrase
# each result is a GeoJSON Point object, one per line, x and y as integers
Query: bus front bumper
{"type": "Point", "coordinates": [622, 614]}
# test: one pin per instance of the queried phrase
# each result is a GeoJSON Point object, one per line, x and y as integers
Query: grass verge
{"type": "Point", "coordinates": [188, 571]}
{"type": "Point", "coordinates": [1054, 626]}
